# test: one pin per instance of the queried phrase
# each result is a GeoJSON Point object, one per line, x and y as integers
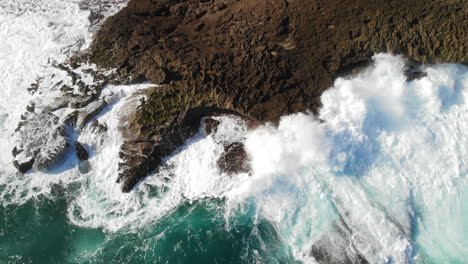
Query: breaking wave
{"type": "Point", "coordinates": [379, 174]}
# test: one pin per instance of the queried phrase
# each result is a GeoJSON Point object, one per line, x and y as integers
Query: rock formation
{"type": "Point", "coordinates": [42, 142]}
{"type": "Point", "coordinates": [41, 136]}
{"type": "Point", "coordinates": [81, 151]}
{"type": "Point", "coordinates": [259, 59]}
{"type": "Point", "coordinates": [234, 159]}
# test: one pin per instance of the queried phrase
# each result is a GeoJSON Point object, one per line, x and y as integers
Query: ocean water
{"type": "Point", "coordinates": [385, 161]}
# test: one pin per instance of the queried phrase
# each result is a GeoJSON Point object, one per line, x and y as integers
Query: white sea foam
{"type": "Point", "coordinates": [387, 158]}
{"type": "Point", "coordinates": [34, 34]}
{"type": "Point", "coordinates": [31, 33]}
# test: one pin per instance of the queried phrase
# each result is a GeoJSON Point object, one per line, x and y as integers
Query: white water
{"type": "Point", "coordinates": [388, 158]}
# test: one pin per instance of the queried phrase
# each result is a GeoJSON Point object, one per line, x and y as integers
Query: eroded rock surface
{"type": "Point", "coordinates": [146, 144]}
{"type": "Point", "coordinates": [258, 58]}
{"type": "Point", "coordinates": [267, 58]}
{"type": "Point", "coordinates": [69, 97]}
{"type": "Point", "coordinates": [41, 142]}
{"type": "Point", "coordinates": [234, 160]}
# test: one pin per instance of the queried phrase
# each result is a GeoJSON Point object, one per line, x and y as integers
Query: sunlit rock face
{"type": "Point", "coordinates": [260, 59]}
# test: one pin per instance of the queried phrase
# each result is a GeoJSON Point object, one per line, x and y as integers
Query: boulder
{"type": "Point", "coordinates": [85, 114]}
{"type": "Point", "coordinates": [23, 163]}
{"type": "Point", "coordinates": [210, 125]}
{"type": "Point", "coordinates": [234, 159]}
{"type": "Point", "coordinates": [337, 247]}
{"type": "Point", "coordinates": [40, 141]}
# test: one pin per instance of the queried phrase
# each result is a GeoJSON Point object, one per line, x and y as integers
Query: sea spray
{"type": "Point", "coordinates": [384, 160]}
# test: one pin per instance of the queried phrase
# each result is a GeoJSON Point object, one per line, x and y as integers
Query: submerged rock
{"type": "Point", "coordinates": [84, 167]}
{"type": "Point", "coordinates": [336, 247]}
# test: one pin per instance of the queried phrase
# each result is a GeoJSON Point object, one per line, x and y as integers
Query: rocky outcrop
{"type": "Point", "coordinates": [210, 125]}
{"type": "Point", "coordinates": [234, 159]}
{"type": "Point", "coordinates": [81, 151]}
{"type": "Point", "coordinates": [258, 58]}
{"type": "Point", "coordinates": [41, 142]}
{"type": "Point", "coordinates": [70, 97]}
{"type": "Point", "coordinates": [147, 144]}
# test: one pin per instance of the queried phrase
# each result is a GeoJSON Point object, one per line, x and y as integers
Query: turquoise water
{"type": "Point", "coordinates": [382, 176]}
{"type": "Point", "coordinates": [38, 232]}
{"type": "Point", "coordinates": [386, 163]}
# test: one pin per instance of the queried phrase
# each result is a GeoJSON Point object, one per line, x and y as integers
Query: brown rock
{"type": "Point", "coordinates": [210, 125]}
{"type": "Point", "coordinates": [98, 127]}
{"type": "Point", "coordinates": [258, 58]}
{"type": "Point", "coordinates": [142, 155]}
{"type": "Point", "coordinates": [234, 160]}
{"type": "Point", "coordinates": [262, 57]}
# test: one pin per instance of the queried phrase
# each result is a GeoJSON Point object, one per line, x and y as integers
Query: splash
{"type": "Point", "coordinates": [379, 175]}
{"type": "Point", "coordinates": [386, 161]}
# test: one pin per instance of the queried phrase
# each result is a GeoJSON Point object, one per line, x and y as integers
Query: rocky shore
{"type": "Point", "coordinates": [256, 59]}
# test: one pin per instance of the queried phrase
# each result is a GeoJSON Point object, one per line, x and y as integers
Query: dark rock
{"type": "Point", "coordinates": [71, 118]}
{"type": "Point", "coordinates": [141, 155]}
{"type": "Point", "coordinates": [30, 107]}
{"type": "Point", "coordinates": [41, 137]}
{"type": "Point", "coordinates": [414, 72]}
{"type": "Point", "coordinates": [234, 160]}
{"type": "Point", "coordinates": [48, 156]}
{"type": "Point", "coordinates": [260, 59]}
{"type": "Point", "coordinates": [97, 127]}
{"type": "Point", "coordinates": [80, 102]}
{"type": "Point", "coordinates": [24, 164]}
{"type": "Point", "coordinates": [137, 157]}
{"type": "Point", "coordinates": [16, 151]}
{"type": "Point", "coordinates": [268, 58]}
{"type": "Point", "coordinates": [210, 125]}
{"type": "Point", "coordinates": [90, 111]}
{"type": "Point", "coordinates": [81, 152]}
{"type": "Point", "coordinates": [32, 89]}
{"type": "Point", "coordinates": [414, 75]}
